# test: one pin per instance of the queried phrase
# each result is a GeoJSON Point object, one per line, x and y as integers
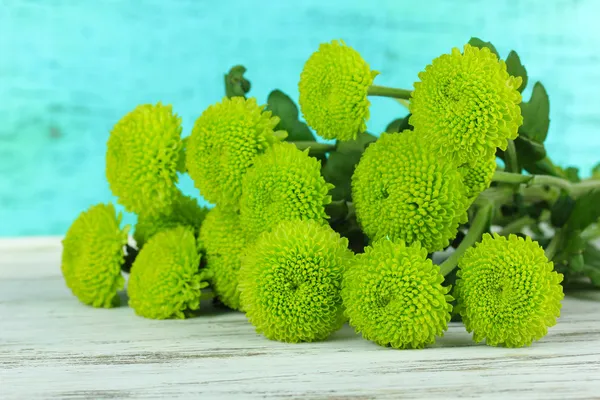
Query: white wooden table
{"type": "Point", "coordinates": [51, 346]}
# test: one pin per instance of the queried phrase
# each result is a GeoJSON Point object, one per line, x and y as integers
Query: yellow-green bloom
{"type": "Point", "coordinates": [224, 142]}
{"type": "Point", "coordinates": [393, 295]}
{"type": "Point", "coordinates": [183, 211]}
{"type": "Point", "coordinates": [93, 255]}
{"type": "Point", "coordinates": [284, 184]}
{"type": "Point", "coordinates": [223, 242]}
{"type": "Point", "coordinates": [165, 280]}
{"type": "Point", "coordinates": [508, 292]}
{"type": "Point", "coordinates": [477, 174]}
{"type": "Point", "coordinates": [333, 91]}
{"type": "Point", "coordinates": [467, 104]}
{"type": "Point", "coordinates": [142, 156]}
{"type": "Point", "coordinates": [402, 190]}
{"type": "Point", "coordinates": [290, 282]}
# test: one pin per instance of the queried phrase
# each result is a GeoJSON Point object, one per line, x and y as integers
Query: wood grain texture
{"type": "Point", "coordinates": [53, 347]}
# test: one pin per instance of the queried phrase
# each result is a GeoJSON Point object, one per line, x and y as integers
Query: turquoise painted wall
{"type": "Point", "coordinates": [70, 69]}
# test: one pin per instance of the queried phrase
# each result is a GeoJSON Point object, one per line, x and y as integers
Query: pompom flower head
{"type": "Point", "coordinates": [183, 211]}
{"type": "Point", "coordinates": [393, 295]}
{"type": "Point", "coordinates": [223, 243]}
{"type": "Point", "coordinates": [165, 280]}
{"type": "Point", "coordinates": [477, 174]}
{"type": "Point", "coordinates": [402, 190]}
{"type": "Point", "coordinates": [467, 104]}
{"type": "Point", "coordinates": [333, 91]}
{"type": "Point", "coordinates": [93, 255]}
{"type": "Point", "coordinates": [508, 292]}
{"type": "Point", "coordinates": [142, 155]}
{"type": "Point", "coordinates": [284, 184]}
{"type": "Point", "coordinates": [223, 144]}
{"type": "Point", "coordinates": [290, 282]}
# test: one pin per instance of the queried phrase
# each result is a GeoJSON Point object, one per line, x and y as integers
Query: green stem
{"type": "Point", "coordinates": [516, 225]}
{"type": "Point", "coordinates": [591, 233]}
{"type": "Point", "coordinates": [315, 147]}
{"type": "Point", "coordinates": [512, 165]}
{"type": "Point", "coordinates": [479, 225]}
{"type": "Point", "coordinates": [555, 243]}
{"type": "Point", "coordinates": [207, 295]}
{"type": "Point", "coordinates": [383, 91]}
{"type": "Point", "coordinates": [509, 177]}
{"type": "Point", "coordinates": [582, 187]}
{"type": "Point", "coordinates": [573, 189]}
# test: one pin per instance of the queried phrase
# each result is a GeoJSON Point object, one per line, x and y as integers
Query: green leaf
{"type": "Point", "coordinates": [586, 211]}
{"type": "Point", "coordinates": [398, 125]}
{"type": "Point", "coordinates": [536, 115]}
{"type": "Point", "coordinates": [476, 42]}
{"type": "Point", "coordinates": [282, 106]}
{"type": "Point", "coordinates": [561, 210]}
{"type": "Point", "coordinates": [341, 163]}
{"type": "Point", "coordinates": [235, 83]}
{"type": "Point", "coordinates": [515, 68]}
{"type": "Point", "coordinates": [572, 174]}
{"type": "Point", "coordinates": [529, 151]}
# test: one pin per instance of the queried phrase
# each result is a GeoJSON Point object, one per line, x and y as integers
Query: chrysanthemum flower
{"type": "Point", "coordinates": [466, 103]}
{"type": "Point", "coordinates": [93, 255]}
{"type": "Point", "coordinates": [165, 280]}
{"type": "Point", "coordinates": [402, 190]}
{"type": "Point", "coordinates": [290, 282]}
{"type": "Point", "coordinates": [224, 142]}
{"type": "Point", "coordinates": [223, 243]}
{"type": "Point", "coordinates": [183, 211]}
{"type": "Point", "coordinates": [477, 174]}
{"type": "Point", "coordinates": [508, 292]}
{"type": "Point", "coordinates": [333, 91]}
{"type": "Point", "coordinates": [142, 156]}
{"type": "Point", "coordinates": [393, 295]}
{"type": "Point", "coordinates": [284, 184]}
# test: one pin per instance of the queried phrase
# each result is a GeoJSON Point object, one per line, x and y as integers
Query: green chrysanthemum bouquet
{"type": "Point", "coordinates": [304, 235]}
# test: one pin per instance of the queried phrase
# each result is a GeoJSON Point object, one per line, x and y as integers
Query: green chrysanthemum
{"type": "Point", "coordinates": [93, 255]}
{"type": "Point", "coordinates": [142, 154]}
{"type": "Point", "coordinates": [165, 280]}
{"type": "Point", "coordinates": [183, 211]}
{"type": "Point", "coordinates": [224, 142]}
{"type": "Point", "coordinates": [393, 295]}
{"type": "Point", "coordinates": [466, 104]}
{"type": "Point", "coordinates": [284, 184]}
{"type": "Point", "coordinates": [507, 291]}
{"type": "Point", "coordinates": [402, 190]}
{"type": "Point", "coordinates": [333, 91]}
{"type": "Point", "coordinates": [223, 242]}
{"type": "Point", "coordinates": [290, 282]}
{"type": "Point", "coordinates": [477, 175]}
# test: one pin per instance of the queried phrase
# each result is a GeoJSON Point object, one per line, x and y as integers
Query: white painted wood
{"type": "Point", "coordinates": [53, 347]}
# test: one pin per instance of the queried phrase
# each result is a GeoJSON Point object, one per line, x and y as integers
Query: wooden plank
{"type": "Point", "coordinates": [51, 346]}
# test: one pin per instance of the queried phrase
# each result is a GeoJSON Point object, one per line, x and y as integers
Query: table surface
{"type": "Point", "coordinates": [51, 346]}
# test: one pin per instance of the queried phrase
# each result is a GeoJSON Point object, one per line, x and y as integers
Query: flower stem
{"type": "Point", "coordinates": [591, 233]}
{"type": "Point", "coordinates": [315, 147]}
{"type": "Point", "coordinates": [555, 243]}
{"type": "Point", "coordinates": [516, 225]}
{"type": "Point", "coordinates": [573, 189]}
{"type": "Point", "coordinates": [512, 164]}
{"type": "Point", "coordinates": [480, 223]}
{"type": "Point", "coordinates": [383, 91]}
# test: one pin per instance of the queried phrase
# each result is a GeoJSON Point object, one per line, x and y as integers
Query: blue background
{"type": "Point", "coordinates": [70, 69]}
